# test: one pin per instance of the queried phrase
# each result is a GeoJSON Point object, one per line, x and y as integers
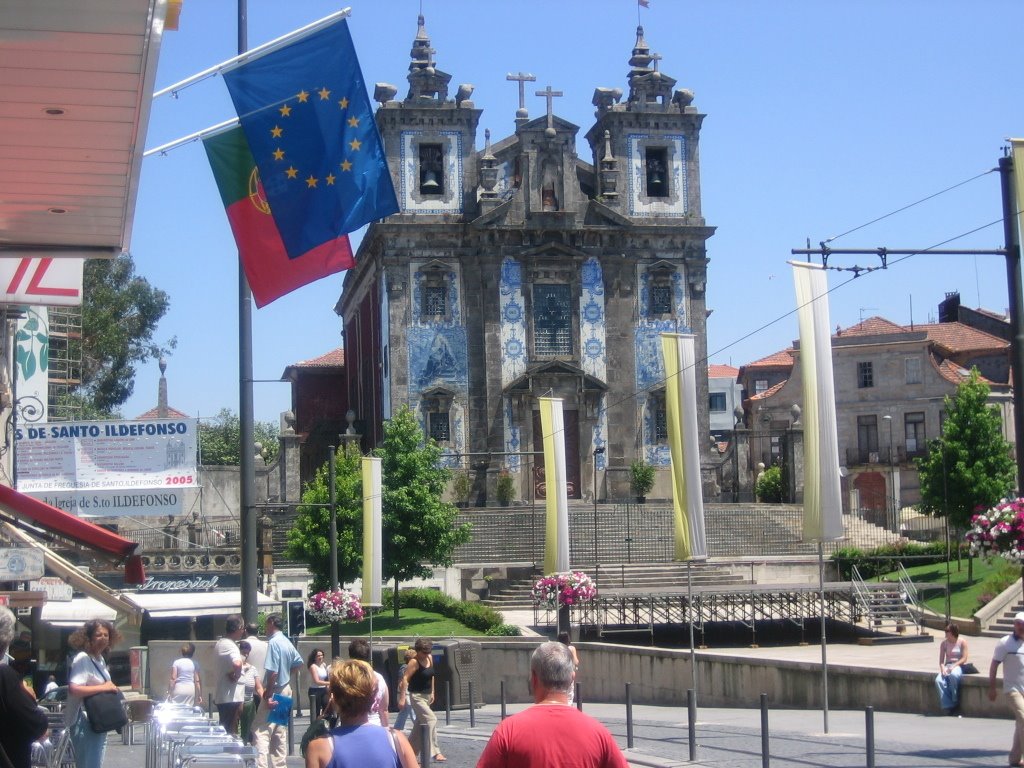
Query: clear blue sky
{"type": "Point", "coordinates": [821, 116]}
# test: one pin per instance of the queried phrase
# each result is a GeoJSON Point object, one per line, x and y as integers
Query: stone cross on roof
{"type": "Point", "coordinates": [522, 79]}
{"type": "Point", "coordinates": [549, 95]}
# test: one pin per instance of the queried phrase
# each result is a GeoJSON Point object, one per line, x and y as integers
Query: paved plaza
{"type": "Point", "coordinates": [732, 737]}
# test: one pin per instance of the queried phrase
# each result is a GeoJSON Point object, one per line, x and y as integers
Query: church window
{"type": "Point", "coordinates": [439, 427]}
{"type": "Point", "coordinates": [437, 406]}
{"type": "Point", "coordinates": [656, 167]}
{"type": "Point", "coordinates": [659, 417]}
{"type": "Point", "coordinates": [431, 169]}
{"type": "Point", "coordinates": [661, 298]}
{"type": "Point", "coordinates": [434, 300]}
{"type": "Point", "coordinates": [552, 319]}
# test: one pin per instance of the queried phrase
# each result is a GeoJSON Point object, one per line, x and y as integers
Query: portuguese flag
{"type": "Point", "coordinates": [270, 271]}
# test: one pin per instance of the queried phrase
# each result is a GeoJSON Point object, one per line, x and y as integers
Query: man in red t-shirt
{"type": "Point", "coordinates": [551, 734]}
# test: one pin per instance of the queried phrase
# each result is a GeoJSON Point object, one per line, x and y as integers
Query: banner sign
{"type": "Point", "coordinates": [179, 581]}
{"type": "Point", "coordinates": [21, 564]}
{"type": "Point", "coordinates": [107, 455]}
{"type": "Point", "coordinates": [32, 364]}
{"type": "Point", "coordinates": [136, 502]}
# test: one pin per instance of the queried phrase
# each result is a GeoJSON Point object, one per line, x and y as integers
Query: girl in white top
{"type": "Point", "coordinates": [185, 687]}
{"type": "Point", "coordinates": [952, 656]}
{"type": "Point", "coordinates": [88, 676]}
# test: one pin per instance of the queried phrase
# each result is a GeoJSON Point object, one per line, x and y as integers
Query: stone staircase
{"type": "Point", "coordinates": [1004, 624]}
{"type": "Point", "coordinates": [515, 594]}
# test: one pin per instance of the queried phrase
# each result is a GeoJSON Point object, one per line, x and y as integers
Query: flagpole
{"type": "Point", "coordinates": [244, 53]}
{"type": "Point", "coordinates": [824, 643]}
{"type": "Point", "coordinates": [247, 464]}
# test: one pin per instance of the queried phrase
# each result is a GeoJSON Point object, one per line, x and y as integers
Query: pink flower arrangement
{"type": "Point", "coordinates": [334, 605]}
{"type": "Point", "coordinates": [569, 588]}
{"type": "Point", "coordinates": [999, 531]}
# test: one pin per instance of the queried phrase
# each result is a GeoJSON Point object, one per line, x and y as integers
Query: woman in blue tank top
{"type": "Point", "coordinates": [355, 743]}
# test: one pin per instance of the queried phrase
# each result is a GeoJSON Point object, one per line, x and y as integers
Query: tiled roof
{"type": "Point", "coordinates": [716, 371]}
{"type": "Point", "coordinates": [768, 392]}
{"type": "Point", "coordinates": [333, 359]}
{"type": "Point", "coordinates": [154, 413]}
{"type": "Point", "coordinates": [956, 374]}
{"type": "Point", "coordinates": [783, 359]}
{"type": "Point", "coordinates": [873, 326]}
{"type": "Point", "coordinates": [957, 337]}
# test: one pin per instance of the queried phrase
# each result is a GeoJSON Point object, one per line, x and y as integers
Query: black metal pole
{"type": "Point", "coordinates": [579, 697]}
{"type": "Point", "coordinates": [765, 756]}
{"type": "Point", "coordinates": [504, 711]}
{"type": "Point", "coordinates": [472, 706]}
{"type": "Point", "coordinates": [247, 465]}
{"type": "Point", "coordinates": [691, 722]}
{"type": "Point", "coordinates": [1013, 292]}
{"type": "Point", "coordinates": [332, 485]}
{"type": "Point", "coordinates": [629, 715]}
{"type": "Point", "coordinates": [869, 735]}
{"type": "Point", "coordinates": [447, 702]}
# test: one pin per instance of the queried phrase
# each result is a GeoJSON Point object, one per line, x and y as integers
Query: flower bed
{"type": "Point", "coordinates": [568, 588]}
{"type": "Point", "coordinates": [334, 605]}
{"type": "Point", "coordinates": [999, 531]}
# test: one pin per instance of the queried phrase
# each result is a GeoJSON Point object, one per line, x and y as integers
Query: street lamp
{"type": "Point", "coordinates": [892, 477]}
{"type": "Point", "coordinates": [597, 452]}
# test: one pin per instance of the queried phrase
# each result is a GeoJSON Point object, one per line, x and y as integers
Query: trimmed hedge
{"type": "Point", "coordinates": [476, 616]}
{"type": "Point", "coordinates": [883, 559]}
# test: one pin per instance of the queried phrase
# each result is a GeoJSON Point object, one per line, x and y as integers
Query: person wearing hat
{"type": "Point", "coordinates": [1008, 650]}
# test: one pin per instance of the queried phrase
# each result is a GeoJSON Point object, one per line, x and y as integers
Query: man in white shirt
{"type": "Point", "coordinates": [1010, 649]}
{"type": "Point", "coordinates": [258, 654]}
{"type": "Point", "coordinates": [228, 692]}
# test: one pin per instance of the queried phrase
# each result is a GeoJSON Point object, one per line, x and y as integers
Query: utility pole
{"type": "Point", "coordinates": [1014, 296]}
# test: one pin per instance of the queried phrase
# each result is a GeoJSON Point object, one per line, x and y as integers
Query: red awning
{"type": "Point", "coordinates": [80, 531]}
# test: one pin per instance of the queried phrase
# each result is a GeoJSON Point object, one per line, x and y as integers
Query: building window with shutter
{"type": "Point", "coordinates": [717, 402]}
{"type": "Point", "coordinates": [661, 298]}
{"type": "Point", "coordinates": [865, 375]}
{"type": "Point", "coordinates": [867, 438]}
{"type": "Point", "coordinates": [435, 301]}
{"type": "Point", "coordinates": [912, 367]}
{"type": "Point", "coordinates": [913, 432]}
{"type": "Point", "coordinates": [439, 428]}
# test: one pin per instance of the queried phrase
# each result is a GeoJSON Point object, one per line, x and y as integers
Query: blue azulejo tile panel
{"type": "Point", "coordinates": [592, 319]}
{"type": "Point", "coordinates": [385, 346]}
{"type": "Point", "coordinates": [599, 432]}
{"type": "Point", "coordinates": [514, 355]}
{"type": "Point", "coordinates": [650, 368]}
{"type": "Point", "coordinates": [437, 358]}
{"type": "Point", "coordinates": [655, 454]}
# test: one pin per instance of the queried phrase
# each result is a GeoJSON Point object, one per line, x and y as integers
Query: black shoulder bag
{"type": "Point", "coordinates": [105, 710]}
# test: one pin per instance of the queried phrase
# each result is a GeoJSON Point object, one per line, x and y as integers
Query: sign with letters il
{"type": "Point", "coordinates": [41, 281]}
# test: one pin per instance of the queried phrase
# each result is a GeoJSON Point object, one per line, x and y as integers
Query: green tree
{"type": "Point", "coordinates": [309, 537]}
{"type": "Point", "coordinates": [969, 466]}
{"type": "Point", "coordinates": [419, 529]}
{"type": "Point", "coordinates": [120, 313]}
{"type": "Point", "coordinates": [220, 439]}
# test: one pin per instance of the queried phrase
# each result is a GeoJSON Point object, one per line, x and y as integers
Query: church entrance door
{"type": "Point", "coordinates": [571, 419]}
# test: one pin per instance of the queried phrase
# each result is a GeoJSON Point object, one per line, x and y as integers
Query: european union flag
{"type": "Point", "coordinates": [307, 117]}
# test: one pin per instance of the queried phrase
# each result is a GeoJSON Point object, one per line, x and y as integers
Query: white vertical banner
{"type": "Point", "coordinates": [372, 560]}
{"type": "Point", "coordinates": [32, 364]}
{"type": "Point", "coordinates": [681, 417]}
{"type": "Point", "coordinates": [823, 508]}
{"type": "Point", "coordinates": [556, 529]}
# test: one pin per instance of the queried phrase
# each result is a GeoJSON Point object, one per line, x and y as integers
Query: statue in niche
{"type": "Point", "coordinates": [548, 180]}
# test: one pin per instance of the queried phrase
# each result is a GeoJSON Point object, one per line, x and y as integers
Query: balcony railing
{"type": "Point", "coordinates": [900, 454]}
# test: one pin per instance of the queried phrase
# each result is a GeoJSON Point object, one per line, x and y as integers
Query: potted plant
{"type": "Point", "coordinates": [462, 486]}
{"type": "Point", "coordinates": [505, 488]}
{"type": "Point", "coordinates": [641, 479]}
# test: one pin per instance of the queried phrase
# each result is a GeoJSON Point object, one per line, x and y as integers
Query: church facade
{"type": "Point", "coordinates": [520, 269]}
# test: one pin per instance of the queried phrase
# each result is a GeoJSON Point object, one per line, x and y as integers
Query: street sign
{"type": "Point", "coordinates": [20, 564]}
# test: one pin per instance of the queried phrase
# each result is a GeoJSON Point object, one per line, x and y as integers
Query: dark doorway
{"type": "Point", "coordinates": [571, 419]}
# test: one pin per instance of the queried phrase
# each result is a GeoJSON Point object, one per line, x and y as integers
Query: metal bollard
{"type": "Point", "coordinates": [425, 756]}
{"type": "Point", "coordinates": [629, 715]}
{"type": "Point", "coordinates": [691, 725]}
{"type": "Point", "coordinates": [448, 702]}
{"type": "Point", "coordinates": [579, 697]}
{"type": "Point", "coordinates": [869, 734]}
{"type": "Point", "coordinates": [472, 706]}
{"type": "Point", "coordinates": [765, 759]}
{"type": "Point", "coordinates": [504, 713]}
{"type": "Point", "coordinates": [291, 733]}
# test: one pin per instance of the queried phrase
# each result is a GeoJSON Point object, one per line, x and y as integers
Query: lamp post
{"type": "Point", "coordinates": [332, 490]}
{"type": "Point", "coordinates": [890, 501]}
{"type": "Point", "coordinates": [597, 452]}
